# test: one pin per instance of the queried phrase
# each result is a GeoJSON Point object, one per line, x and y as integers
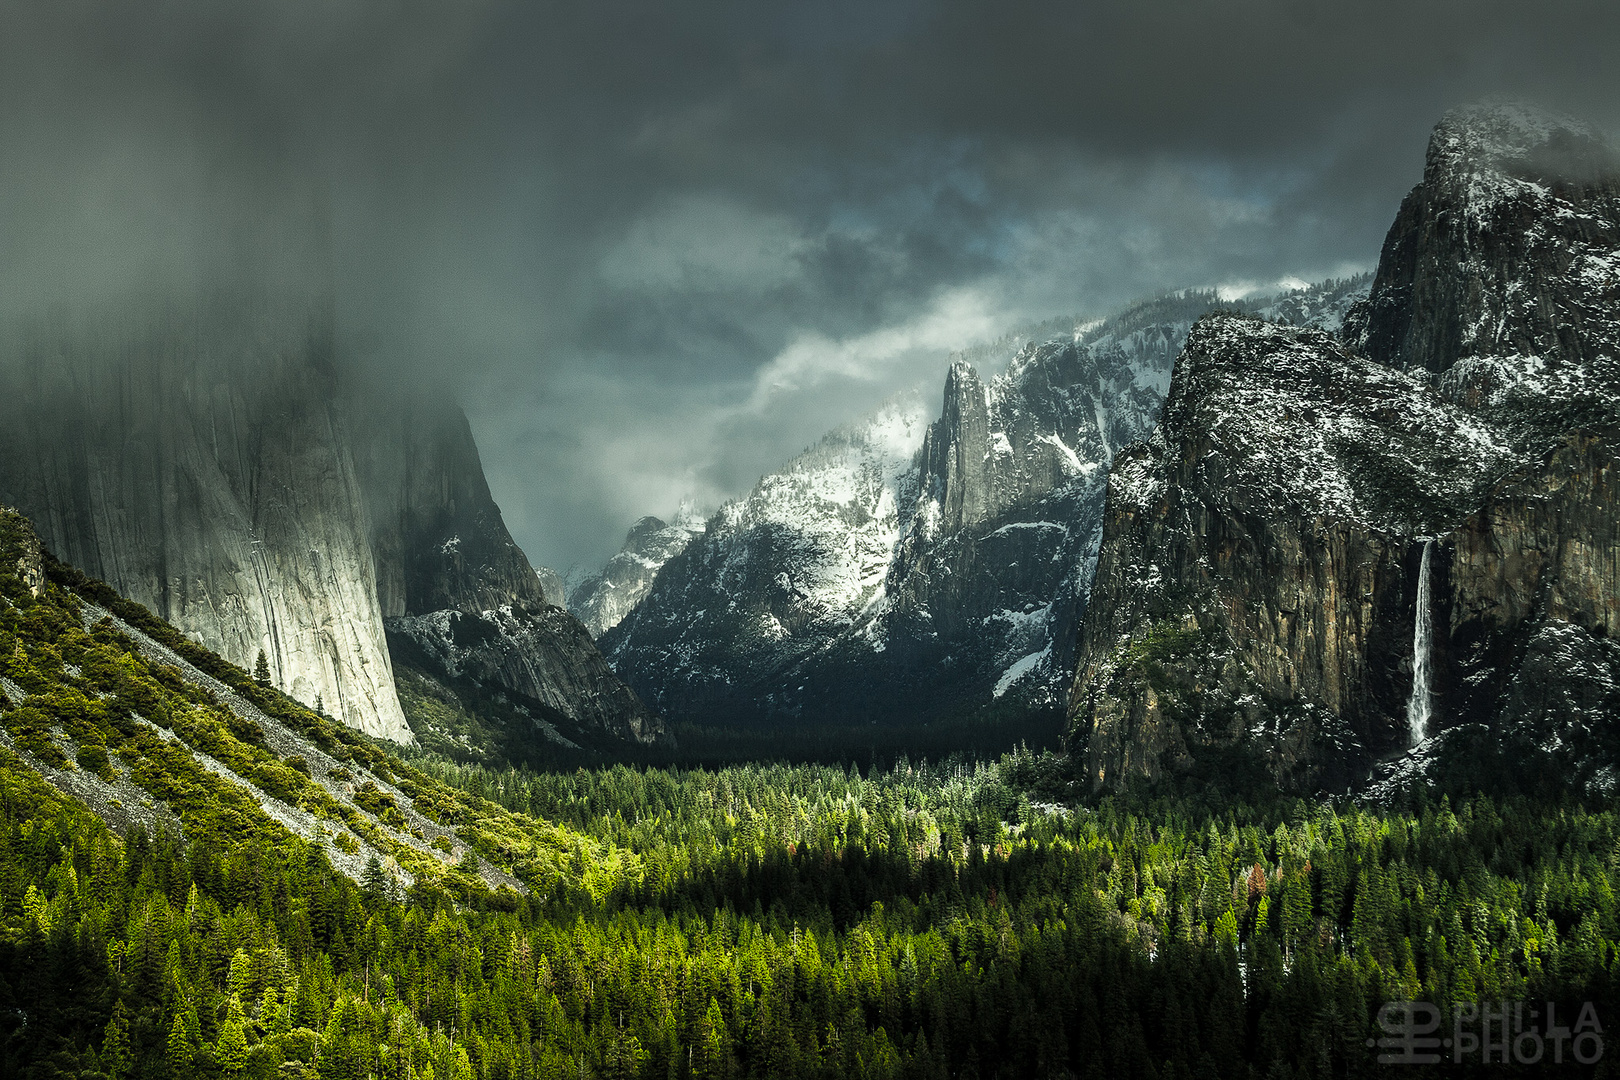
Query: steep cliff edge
{"type": "Point", "coordinates": [1501, 274]}
{"type": "Point", "coordinates": [1258, 586]}
{"type": "Point", "coordinates": [1257, 574]}
{"type": "Point", "coordinates": [215, 464]}
{"type": "Point", "coordinates": [460, 601]}
{"type": "Point", "coordinates": [199, 462]}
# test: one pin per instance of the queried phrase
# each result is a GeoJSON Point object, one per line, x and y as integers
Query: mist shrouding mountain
{"type": "Point", "coordinates": [656, 252]}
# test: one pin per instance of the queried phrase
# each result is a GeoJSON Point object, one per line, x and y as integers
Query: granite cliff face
{"type": "Point", "coordinates": [199, 462]}
{"type": "Point", "coordinates": [459, 598]}
{"type": "Point", "coordinates": [1258, 584]}
{"type": "Point", "coordinates": [1258, 567]}
{"type": "Point", "coordinates": [215, 465]}
{"type": "Point", "coordinates": [1500, 276]}
{"type": "Point", "coordinates": [906, 571]}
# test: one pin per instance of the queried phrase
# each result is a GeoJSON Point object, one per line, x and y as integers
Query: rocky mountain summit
{"type": "Point", "coordinates": [216, 464]}
{"type": "Point", "coordinates": [795, 566]}
{"type": "Point", "coordinates": [602, 600]}
{"type": "Point", "coordinates": [906, 569]}
{"type": "Point", "coordinates": [1499, 277]}
{"type": "Point", "coordinates": [1332, 549]}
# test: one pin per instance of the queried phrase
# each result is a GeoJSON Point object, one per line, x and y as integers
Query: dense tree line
{"type": "Point", "coordinates": [1090, 942]}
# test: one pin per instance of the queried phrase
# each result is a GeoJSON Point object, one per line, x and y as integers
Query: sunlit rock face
{"type": "Point", "coordinates": [794, 568]}
{"type": "Point", "coordinates": [1257, 583]}
{"type": "Point", "coordinates": [198, 460]}
{"type": "Point", "coordinates": [214, 463]}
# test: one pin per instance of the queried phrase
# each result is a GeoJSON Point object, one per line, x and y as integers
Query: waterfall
{"type": "Point", "coordinates": [1417, 710]}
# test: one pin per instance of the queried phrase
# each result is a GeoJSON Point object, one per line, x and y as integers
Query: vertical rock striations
{"type": "Point", "coordinates": [1258, 584]}
{"type": "Point", "coordinates": [199, 462]}
{"type": "Point", "coordinates": [1257, 578]}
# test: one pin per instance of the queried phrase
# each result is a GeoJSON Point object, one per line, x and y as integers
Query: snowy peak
{"type": "Point", "coordinates": [905, 571]}
{"type": "Point", "coordinates": [1500, 278]}
{"type": "Point", "coordinates": [834, 515]}
{"type": "Point", "coordinates": [601, 600]}
{"type": "Point", "coordinates": [1518, 141]}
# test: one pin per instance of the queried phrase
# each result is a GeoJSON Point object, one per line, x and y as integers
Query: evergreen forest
{"type": "Point", "coordinates": [966, 918]}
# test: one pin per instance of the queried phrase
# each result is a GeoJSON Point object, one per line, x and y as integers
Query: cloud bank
{"type": "Point", "coordinates": [657, 249]}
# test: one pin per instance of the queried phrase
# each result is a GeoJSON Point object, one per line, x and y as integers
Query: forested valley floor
{"type": "Point", "coordinates": [912, 919]}
{"type": "Point", "coordinates": [781, 921]}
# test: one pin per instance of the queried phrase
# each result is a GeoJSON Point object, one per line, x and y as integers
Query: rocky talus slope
{"type": "Point", "coordinates": [1257, 589]}
{"type": "Point", "coordinates": [908, 570]}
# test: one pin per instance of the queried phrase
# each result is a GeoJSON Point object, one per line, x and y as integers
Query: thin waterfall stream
{"type": "Point", "coordinates": [1418, 708]}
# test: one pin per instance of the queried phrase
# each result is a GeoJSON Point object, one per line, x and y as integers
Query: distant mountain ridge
{"type": "Point", "coordinates": [602, 599]}
{"type": "Point", "coordinates": [906, 570]}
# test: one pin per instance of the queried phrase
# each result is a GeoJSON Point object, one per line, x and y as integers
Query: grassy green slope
{"type": "Point", "coordinates": [117, 708]}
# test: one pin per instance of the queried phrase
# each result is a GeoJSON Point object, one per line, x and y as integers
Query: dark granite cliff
{"type": "Point", "coordinates": [1500, 276]}
{"type": "Point", "coordinates": [1257, 589]}
{"type": "Point", "coordinates": [461, 603]}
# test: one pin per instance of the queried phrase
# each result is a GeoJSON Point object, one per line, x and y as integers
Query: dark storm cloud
{"type": "Point", "coordinates": [658, 248]}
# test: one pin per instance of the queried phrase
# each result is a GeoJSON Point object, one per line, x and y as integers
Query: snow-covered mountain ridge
{"type": "Point", "coordinates": [909, 570]}
{"type": "Point", "coordinates": [600, 600]}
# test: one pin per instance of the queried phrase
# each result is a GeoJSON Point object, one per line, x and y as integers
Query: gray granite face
{"type": "Point", "coordinates": [213, 464]}
{"type": "Point", "coordinates": [199, 462]}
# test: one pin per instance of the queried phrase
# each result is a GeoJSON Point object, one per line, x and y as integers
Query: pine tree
{"type": "Point", "coordinates": [374, 882]}
{"type": "Point", "coordinates": [231, 1048]}
{"type": "Point", "coordinates": [178, 1057]}
{"type": "Point", "coordinates": [1297, 903]}
{"type": "Point", "coordinates": [261, 670]}
{"type": "Point", "coordinates": [713, 1045]}
{"type": "Point", "coordinates": [115, 1052]}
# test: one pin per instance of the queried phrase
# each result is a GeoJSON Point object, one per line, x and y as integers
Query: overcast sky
{"type": "Point", "coordinates": [657, 248]}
